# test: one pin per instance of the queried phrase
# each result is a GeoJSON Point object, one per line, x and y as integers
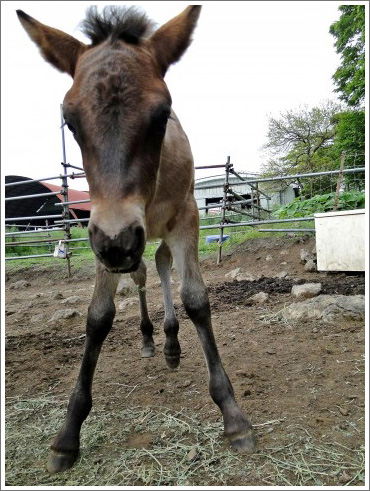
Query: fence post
{"type": "Point", "coordinates": [65, 218]}
{"type": "Point", "coordinates": [223, 209]}
{"type": "Point", "coordinates": [342, 158]}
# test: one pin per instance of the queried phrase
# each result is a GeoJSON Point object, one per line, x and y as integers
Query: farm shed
{"type": "Point", "coordinates": [40, 205]}
{"type": "Point", "coordinates": [209, 191]}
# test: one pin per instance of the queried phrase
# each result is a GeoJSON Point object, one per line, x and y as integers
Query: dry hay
{"type": "Point", "coordinates": [143, 446]}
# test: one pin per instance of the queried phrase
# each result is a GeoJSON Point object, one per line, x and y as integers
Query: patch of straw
{"type": "Point", "coordinates": [176, 449]}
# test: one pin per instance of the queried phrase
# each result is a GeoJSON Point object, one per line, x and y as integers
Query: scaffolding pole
{"type": "Point", "coordinates": [66, 224]}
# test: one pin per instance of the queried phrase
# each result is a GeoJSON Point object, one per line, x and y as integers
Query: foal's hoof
{"type": "Point", "coordinates": [244, 443]}
{"type": "Point", "coordinates": [173, 361]}
{"type": "Point", "coordinates": [147, 351]}
{"type": "Point", "coordinates": [59, 462]}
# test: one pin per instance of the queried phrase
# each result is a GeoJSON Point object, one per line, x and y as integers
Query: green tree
{"type": "Point", "coordinates": [298, 139]}
{"type": "Point", "coordinates": [349, 138]}
{"type": "Point", "coordinates": [349, 32]}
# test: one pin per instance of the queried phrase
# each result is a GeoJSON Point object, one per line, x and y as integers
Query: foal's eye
{"type": "Point", "coordinates": [160, 118]}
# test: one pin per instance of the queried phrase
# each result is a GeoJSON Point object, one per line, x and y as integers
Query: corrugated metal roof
{"type": "Point", "coordinates": [41, 205]}
{"type": "Point", "coordinates": [73, 195]}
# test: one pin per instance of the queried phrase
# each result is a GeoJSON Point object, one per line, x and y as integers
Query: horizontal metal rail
{"type": "Point", "coordinates": [210, 166]}
{"type": "Point", "coordinates": [286, 230]}
{"type": "Point", "coordinates": [28, 257]}
{"type": "Point", "coordinates": [24, 242]}
{"type": "Point", "coordinates": [83, 239]}
{"type": "Point", "coordinates": [35, 232]}
{"type": "Point", "coordinates": [73, 166]}
{"type": "Point", "coordinates": [286, 178]}
{"type": "Point", "coordinates": [28, 181]}
{"type": "Point", "coordinates": [255, 223]}
{"type": "Point", "coordinates": [33, 196]}
{"type": "Point", "coordinates": [73, 220]}
{"type": "Point", "coordinates": [41, 217]}
{"type": "Point", "coordinates": [209, 207]}
{"type": "Point", "coordinates": [73, 202]}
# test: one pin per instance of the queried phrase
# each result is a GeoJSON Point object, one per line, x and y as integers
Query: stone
{"type": "Point", "coordinates": [245, 277]}
{"type": "Point", "coordinates": [129, 302]}
{"type": "Point", "coordinates": [64, 314]}
{"type": "Point", "coordinates": [269, 258]}
{"type": "Point", "coordinates": [124, 288]}
{"type": "Point", "coordinates": [258, 298]}
{"type": "Point", "coordinates": [19, 285]}
{"type": "Point", "coordinates": [310, 266]}
{"type": "Point", "coordinates": [307, 290]}
{"type": "Point", "coordinates": [328, 308]}
{"type": "Point", "coordinates": [71, 300]}
{"type": "Point", "coordinates": [282, 274]}
{"type": "Point", "coordinates": [305, 255]}
{"type": "Point", "coordinates": [57, 296]}
{"type": "Point", "coordinates": [231, 275]}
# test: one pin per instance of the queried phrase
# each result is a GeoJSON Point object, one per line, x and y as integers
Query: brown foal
{"type": "Point", "coordinates": [139, 168]}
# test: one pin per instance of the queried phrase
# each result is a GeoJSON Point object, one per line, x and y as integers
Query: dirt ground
{"type": "Point", "coordinates": [307, 376]}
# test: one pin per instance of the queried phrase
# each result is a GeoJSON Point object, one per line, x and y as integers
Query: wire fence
{"type": "Point", "coordinates": [238, 202]}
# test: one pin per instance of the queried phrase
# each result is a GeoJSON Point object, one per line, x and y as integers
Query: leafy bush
{"type": "Point", "coordinates": [351, 200]}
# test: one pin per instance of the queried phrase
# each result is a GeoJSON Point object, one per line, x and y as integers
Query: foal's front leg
{"type": "Point", "coordinates": [195, 299]}
{"type": "Point", "coordinates": [146, 326]}
{"type": "Point", "coordinates": [172, 350]}
{"type": "Point", "coordinates": [101, 312]}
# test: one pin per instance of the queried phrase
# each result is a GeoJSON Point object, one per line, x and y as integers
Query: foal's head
{"type": "Point", "coordinates": [117, 110]}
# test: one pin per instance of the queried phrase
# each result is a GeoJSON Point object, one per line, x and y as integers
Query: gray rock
{"type": "Point", "coordinates": [56, 296]}
{"type": "Point", "coordinates": [71, 300]}
{"type": "Point", "coordinates": [124, 288]}
{"type": "Point", "coordinates": [328, 308]}
{"type": "Point", "coordinates": [282, 274]}
{"type": "Point", "coordinates": [269, 258]}
{"type": "Point", "coordinates": [258, 298]}
{"type": "Point", "coordinates": [64, 314]}
{"type": "Point", "coordinates": [231, 275]}
{"type": "Point", "coordinates": [305, 255]}
{"type": "Point", "coordinates": [245, 277]}
{"type": "Point", "coordinates": [129, 302]}
{"type": "Point", "coordinates": [307, 290]}
{"type": "Point", "coordinates": [19, 285]}
{"type": "Point", "coordinates": [310, 266]}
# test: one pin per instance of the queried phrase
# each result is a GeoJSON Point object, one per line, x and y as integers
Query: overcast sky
{"type": "Point", "coordinates": [248, 61]}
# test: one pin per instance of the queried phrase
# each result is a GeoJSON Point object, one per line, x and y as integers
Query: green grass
{"type": "Point", "coordinates": [83, 257]}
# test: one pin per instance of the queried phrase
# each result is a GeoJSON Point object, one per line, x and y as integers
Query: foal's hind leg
{"type": "Point", "coordinates": [146, 327]}
{"type": "Point", "coordinates": [184, 247]}
{"type": "Point", "coordinates": [172, 350]}
{"type": "Point", "coordinates": [65, 447]}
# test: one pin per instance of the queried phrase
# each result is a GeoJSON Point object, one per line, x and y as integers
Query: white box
{"type": "Point", "coordinates": [340, 240]}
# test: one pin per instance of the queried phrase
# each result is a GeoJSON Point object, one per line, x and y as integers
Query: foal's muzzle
{"type": "Point", "coordinates": [122, 254]}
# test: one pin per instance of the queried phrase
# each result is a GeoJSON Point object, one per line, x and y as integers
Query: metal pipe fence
{"type": "Point", "coordinates": [232, 206]}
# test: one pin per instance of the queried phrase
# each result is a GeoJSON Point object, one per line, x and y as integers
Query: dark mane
{"type": "Point", "coordinates": [129, 24]}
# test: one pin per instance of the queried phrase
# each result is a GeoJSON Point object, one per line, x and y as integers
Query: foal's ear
{"type": "Point", "coordinates": [171, 40]}
{"type": "Point", "coordinates": [58, 48]}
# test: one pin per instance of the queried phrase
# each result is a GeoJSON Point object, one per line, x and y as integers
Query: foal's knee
{"type": "Point", "coordinates": [196, 303]}
{"type": "Point", "coordinates": [99, 320]}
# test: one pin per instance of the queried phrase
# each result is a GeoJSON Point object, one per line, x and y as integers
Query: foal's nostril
{"type": "Point", "coordinates": [123, 251]}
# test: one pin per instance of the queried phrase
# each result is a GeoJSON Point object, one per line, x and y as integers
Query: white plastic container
{"type": "Point", "coordinates": [340, 240]}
